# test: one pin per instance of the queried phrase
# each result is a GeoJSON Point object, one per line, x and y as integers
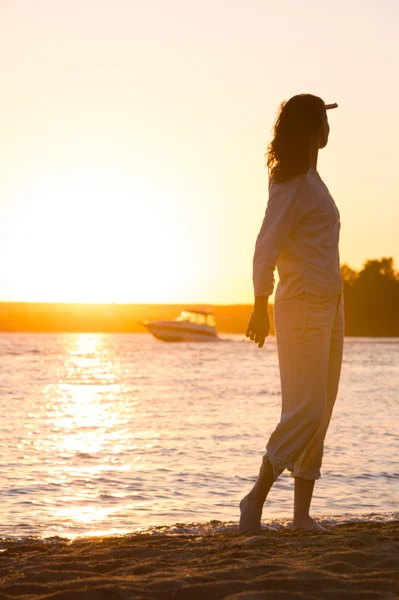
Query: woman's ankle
{"type": "Point", "coordinates": [257, 497]}
{"type": "Point", "coordinates": [301, 516]}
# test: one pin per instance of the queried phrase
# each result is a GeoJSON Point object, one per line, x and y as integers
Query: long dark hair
{"type": "Point", "coordinates": [299, 119]}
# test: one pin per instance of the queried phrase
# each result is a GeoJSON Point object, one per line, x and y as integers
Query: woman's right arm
{"type": "Point", "coordinates": [278, 223]}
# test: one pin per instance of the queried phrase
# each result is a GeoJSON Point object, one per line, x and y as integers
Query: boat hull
{"type": "Point", "coordinates": [180, 333]}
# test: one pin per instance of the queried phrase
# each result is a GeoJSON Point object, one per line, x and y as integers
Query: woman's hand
{"type": "Point", "coordinates": [258, 326]}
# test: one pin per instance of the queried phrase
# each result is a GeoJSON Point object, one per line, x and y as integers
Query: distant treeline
{"type": "Point", "coordinates": [372, 299]}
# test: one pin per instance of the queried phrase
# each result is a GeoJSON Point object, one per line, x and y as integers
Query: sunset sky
{"type": "Point", "coordinates": [133, 134]}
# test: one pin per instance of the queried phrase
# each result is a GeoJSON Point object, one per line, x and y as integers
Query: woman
{"type": "Point", "coordinates": [299, 235]}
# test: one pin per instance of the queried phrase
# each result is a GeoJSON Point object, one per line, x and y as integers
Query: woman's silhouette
{"type": "Point", "coordinates": [299, 235]}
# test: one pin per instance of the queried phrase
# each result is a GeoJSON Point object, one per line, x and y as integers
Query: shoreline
{"type": "Point", "coordinates": [349, 560]}
{"type": "Point", "coordinates": [199, 528]}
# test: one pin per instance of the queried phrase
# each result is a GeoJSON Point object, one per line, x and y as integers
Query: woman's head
{"type": "Point", "coordinates": [300, 127]}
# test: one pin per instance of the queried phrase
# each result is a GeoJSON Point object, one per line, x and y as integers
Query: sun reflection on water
{"type": "Point", "coordinates": [86, 428]}
{"type": "Point", "coordinates": [83, 418]}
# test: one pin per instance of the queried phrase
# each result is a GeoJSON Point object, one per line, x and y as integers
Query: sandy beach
{"type": "Point", "coordinates": [357, 560]}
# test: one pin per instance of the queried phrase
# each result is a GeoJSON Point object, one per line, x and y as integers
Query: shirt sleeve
{"type": "Point", "coordinates": [278, 223]}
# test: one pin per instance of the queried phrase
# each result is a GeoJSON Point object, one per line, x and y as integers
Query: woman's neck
{"type": "Point", "coordinates": [314, 152]}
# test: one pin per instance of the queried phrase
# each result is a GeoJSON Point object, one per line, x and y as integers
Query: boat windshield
{"type": "Point", "coordinates": [198, 318]}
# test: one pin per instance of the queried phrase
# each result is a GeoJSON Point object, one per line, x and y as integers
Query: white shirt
{"type": "Point", "coordinates": [299, 235]}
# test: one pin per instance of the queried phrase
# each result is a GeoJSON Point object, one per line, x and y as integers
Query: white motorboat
{"type": "Point", "coordinates": [190, 326]}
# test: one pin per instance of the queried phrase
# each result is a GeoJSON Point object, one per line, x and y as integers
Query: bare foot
{"type": "Point", "coordinates": [251, 512]}
{"type": "Point", "coordinates": [307, 524]}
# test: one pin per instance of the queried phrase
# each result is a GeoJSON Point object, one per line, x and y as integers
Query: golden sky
{"type": "Point", "coordinates": [133, 133]}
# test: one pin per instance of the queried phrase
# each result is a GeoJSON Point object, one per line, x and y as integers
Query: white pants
{"type": "Point", "coordinates": [310, 334]}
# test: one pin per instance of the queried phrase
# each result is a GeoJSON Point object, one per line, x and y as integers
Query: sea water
{"type": "Point", "coordinates": [123, 433]}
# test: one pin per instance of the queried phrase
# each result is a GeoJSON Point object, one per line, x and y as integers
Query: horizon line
{"type": "Point", "coordinates": [125, 303]}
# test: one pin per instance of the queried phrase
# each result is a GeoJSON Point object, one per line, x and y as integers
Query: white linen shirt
{"type": "Point", "coordinates": [299, 235]}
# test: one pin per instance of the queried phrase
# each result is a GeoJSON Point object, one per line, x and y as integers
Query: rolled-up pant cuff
{"type": "Point", "coordinates": [295, 471]}
{"type": "Point", "coordinates": [311, 474]}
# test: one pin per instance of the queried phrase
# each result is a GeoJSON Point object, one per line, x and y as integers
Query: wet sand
{"type": "Point", "coordinates": [352, 560]}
